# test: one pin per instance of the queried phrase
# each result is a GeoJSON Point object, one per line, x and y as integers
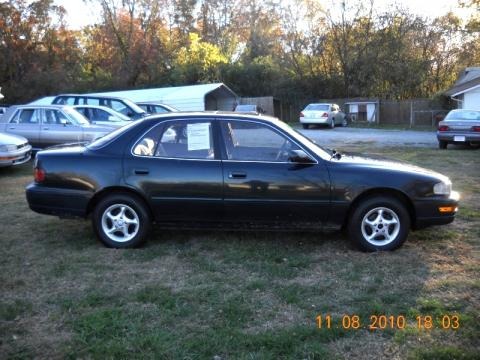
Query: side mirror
{"type": "Point", "coordinates": [300, 156]}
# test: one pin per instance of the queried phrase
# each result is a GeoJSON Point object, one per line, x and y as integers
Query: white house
{"type": "Point", "coordinates": [466, 91]}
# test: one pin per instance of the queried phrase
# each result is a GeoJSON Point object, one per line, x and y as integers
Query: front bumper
{"type": "Point", "coordinates": [15, 157]}
{"type": "Point", "coordinates": [57, 201]}
{"type": "Point", "coordinates": [428, 211]}
{"type": "Point", "coordinates": [450, 136]}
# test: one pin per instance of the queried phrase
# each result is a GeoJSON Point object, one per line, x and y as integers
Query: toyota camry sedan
{"type": "Point", "coordinates": [227, 170]}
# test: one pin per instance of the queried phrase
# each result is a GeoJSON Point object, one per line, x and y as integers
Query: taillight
{"type": "Point", "coordinates": [443, 128]}
{"type": "Point", "coordinates": [325, 115]}
{"type": "Point", "coordinates": [38, 175]}
{"type": "Point", "coordinates": [476, 128]}
{"type": "Point", "coordinates": [302, 115]}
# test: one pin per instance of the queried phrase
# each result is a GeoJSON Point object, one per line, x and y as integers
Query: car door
{"type": "Point", "coordinates": [58, 128]}
{"type": "Point", "coordinates": [176, 166]}
{"type": "Point", "coordinates": [26, 122]}
{"type": "Point", "coordinates": [261, 183]}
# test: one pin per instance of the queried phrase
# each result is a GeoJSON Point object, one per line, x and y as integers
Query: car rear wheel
{"type": "Point", "coordinates": [305, 126]}
{"type": "Point", "coordinates": [442, 144]}
{"type": "Point", "coordinates": [331, 125]}
{"type": "Point", "coordinates": [379, 223]}
{"type": "Point", "coordinates": [121, 221]}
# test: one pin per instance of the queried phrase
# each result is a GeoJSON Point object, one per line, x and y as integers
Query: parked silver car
{"type": "Point", "coordinates": [156, 108]}
{"type": "Point", "coordinates": [323, 114]}
{"type": "Point", "coordinates": [47, 125]}
{"type": "Point", "coordinates": [459, 127]}
{"type": "Point", "coordinates": [14, 150]}
{"type": "Point", "coordinates": [102, 115]}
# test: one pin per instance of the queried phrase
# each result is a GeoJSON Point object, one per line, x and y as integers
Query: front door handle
{"type": "Point", "coordinates": [12, 127]}
{"type": "Point", "coordinates": [46, 128]}
{"type": "Point", "coordinates": [237, 175]}
{"type": "Point", "coordinates": [142, 171]}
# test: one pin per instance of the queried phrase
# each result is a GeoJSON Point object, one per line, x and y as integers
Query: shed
{"type": "Point", "coordinates": [363, 109]}
{"type": "Point", "coordinates": [466, 90]}
{"type": "Point", "coordinates": [203, 97]}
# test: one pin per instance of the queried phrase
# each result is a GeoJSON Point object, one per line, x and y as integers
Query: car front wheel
{"type": "Point", "coordinates": [379, 223]}
{"type": "Point", "coordinates": [121, 221]}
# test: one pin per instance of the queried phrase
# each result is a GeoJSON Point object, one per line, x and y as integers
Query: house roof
{"type": "Point", "coordinates": [468, 79]}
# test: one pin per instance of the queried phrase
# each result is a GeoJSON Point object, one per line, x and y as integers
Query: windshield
{"type": "Point", "coordinates": [317, 149]}
{"type": "Point", "coordinates": [100, 142]}
{"type": "Point", "coordinates": [76, 116]}
{"type": "Point", "coordinates": [463, 115]}
{"type": "Point", "coordinates": [245, 108]}
{"type": "Point", "coordinates": [318, 107]}
{"type": "Point", "coordinates": [137, 109]}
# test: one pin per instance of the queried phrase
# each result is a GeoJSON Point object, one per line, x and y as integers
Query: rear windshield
{"type": "Point", "coordinates": [104, 140]}
{"type": "Point", "coordinates": [318, 107]}
{"type": "Point", "coordinates": [463, 115]}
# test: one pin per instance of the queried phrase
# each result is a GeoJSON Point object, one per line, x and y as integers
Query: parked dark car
{"type": "Point", "coordinates": [121, 105]}
{"type": "Point", "coordinates": [226, 169]}
{"type": "Point", "coordinates": [459, 127]}
{"type": "Point", "coordinates": [156, 108]}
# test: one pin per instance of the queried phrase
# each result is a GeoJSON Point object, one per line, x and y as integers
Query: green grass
{"type": "Point", "coordinates": [237, 295]}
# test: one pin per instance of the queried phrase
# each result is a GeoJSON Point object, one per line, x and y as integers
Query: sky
{"type": "Point", "coordinates": [80, 14]}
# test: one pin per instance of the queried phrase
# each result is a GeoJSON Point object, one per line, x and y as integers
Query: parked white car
{"type": "Point", "coordinates": [14, 150]}
{"type": "Point", "coordinates": [102, 115]}
{"type": "Point", "coordinates": [323, 114]}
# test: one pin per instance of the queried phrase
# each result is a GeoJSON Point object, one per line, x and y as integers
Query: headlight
{"type": "Point", "coordinates": [442, 188]}
{"type": "Point", "coordinates": [6, 148]}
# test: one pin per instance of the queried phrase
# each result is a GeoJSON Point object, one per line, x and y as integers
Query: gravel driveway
{"type": "Point", "coordinates": [340, 137]}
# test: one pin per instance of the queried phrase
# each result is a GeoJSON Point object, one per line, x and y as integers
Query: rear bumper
{"type": "Point", "coordinates": [450, 136]}
{"type": "Point", "coordinates": [310, 120]}
{"type": "Point", "coordinates": [428, 211]}
{"type": "Point", "coordinates": [57, 201]}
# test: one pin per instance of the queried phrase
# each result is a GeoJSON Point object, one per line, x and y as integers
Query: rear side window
{"type": "Point", "coordinates": [178, 139]}
{"type": "Point", "coordinates": [26, 116]}
{"type": "Point", "coordinates": [92, 101]}
{"type": "Point", "coordinates": [159, 109]}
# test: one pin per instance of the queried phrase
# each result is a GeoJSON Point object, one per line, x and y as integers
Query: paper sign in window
{"type": "Point", "coordinates": [198, 136]}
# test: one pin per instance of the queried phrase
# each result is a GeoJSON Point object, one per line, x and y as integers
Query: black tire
{"type": "Point", "coordinates": [393, 210]}
{"type": "Point", "coordinates": [134, 209]}
{"type": "Point", "coordinates": [442, 144]}
{"type": "Point", "coordinates": [305, 126]}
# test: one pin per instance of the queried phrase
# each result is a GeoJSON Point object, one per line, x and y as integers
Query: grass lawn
{"type": "Point", "coordinates": [238, 295]}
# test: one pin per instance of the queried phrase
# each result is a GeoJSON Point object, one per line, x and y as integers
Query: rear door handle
{"type": "Point", "coordinates": [12, 127]}
{"type": "Point", "coordinates": [237, 175]}
{"type": "Point", "coordinates": [142, 171]}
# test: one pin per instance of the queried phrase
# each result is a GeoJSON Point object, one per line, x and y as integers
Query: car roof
{"type": "Point", "coordinates": [92, 96]}
{"type": "Point", "coordinates": [92, 106]}
{"type": "Point", "coordinates": [188, 115]}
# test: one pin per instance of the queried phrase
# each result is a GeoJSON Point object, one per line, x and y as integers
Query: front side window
{"type": "Point", "coordinates": [250, 141]}
{"type": "Point", "coordinates": [178, 139]}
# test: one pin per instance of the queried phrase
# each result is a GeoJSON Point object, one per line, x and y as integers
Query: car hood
{"type": "Point", "coordinates": [381, 162]}
{"type": "Point", "coordinates": [9, 139]}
